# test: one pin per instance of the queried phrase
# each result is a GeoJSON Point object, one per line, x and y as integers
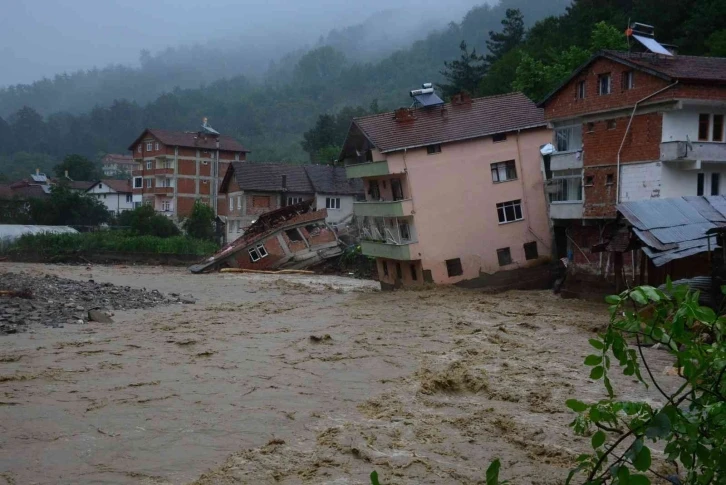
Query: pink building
{"type": "Point", "coordinates": [454, 192]}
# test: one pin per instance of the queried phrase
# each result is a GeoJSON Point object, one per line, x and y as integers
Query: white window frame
{"type": "Point", "coordinates": [231, 203]}
{"type": "Point", "coordinates": [140, 181]}
{"type": "Point", "coordinates": [499, 168]}
{"type": "Point", "coordinates": [166, 205]}
{"type": "Point", "coordinates": [294, 200]}
{"type": "Point", "coordinates": [600, 78]}
{"type": "Point", "coordinates": [628, 80]}
{"type": "Point", "coordinates": [149, 146]}
{"type": "Point", "coordinates": [332, 203]}
{"type": "Point", "coordinates": [582, 89]}
{"type": "Point", "coordinates": [148, 183]}
{"type": "Point", "coordinates": [502, 211]}
{"type": "Point", "coordinates": [129, 198]}
{"type": "Point", "coordinates": [570, 135]}
{"type": "Point", "coordinates": [149, 164]}
{"type": "Point", "coordinates": [140, 147]}
{"type": "Point", "coordinates": [239, 202]}
{"type": "Point", "coordinates": [257, 253]}
{"type": "Point", "coordinates": [156, 146]}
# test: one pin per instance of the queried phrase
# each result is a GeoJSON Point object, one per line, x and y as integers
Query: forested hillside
{"type": "Point", "coordinates": [271, 116]}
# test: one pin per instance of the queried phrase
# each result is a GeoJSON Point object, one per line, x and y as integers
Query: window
{"type": "Point", "coordinates": [504, 256]}
{"type": "Point", "coordinates": [414, 273]}
{"type": "Point", "coordinates": [510, 211]}
{"type": "Point", "coordinates": [499, 137]}
{"type": "Point", "coordinates": [373, 190]}
{"type": "Point", "coordinates": [590, 127]}
{"type": "Point", "coordinates": [704, 121]}
{"type": "Point", "coordinates": [231, 203]}
{"type": "Point", "coordinates": [431, 149]}
{"type": "Point", "coordinates": [149, 164]}
{"type": "Point", "coordinates": [239, 227]}
{"type": "Point", "coordinates": [156, 146]}
{"type": "Point", "coordinates": [609, 179]}
{"type": "Point", "coordinates": [332, 202]}
{"type": "Point", "coordinates": [104, 196]}
{"type": "Point", "coordinates": [503, 171]}
{"type": "Point", "coordinates": [699, 184]}
{"type": "Point", "coordinates": [568, 138]}
{"type": "Point", "coordinates": [165, 182]}
{"type": "Point", "coordinates": [611, 124]}
{"type": "Point", "coordinates": [128, 198]}
{"type": "Point", "coordinates": [293, 235]}
{"type": "Point", "coordinates": [396, 189]}
{"type": "Point", "coordinates": [258, 252]}
{"type": "Point", "coordinates": [603, 84]}
{"type": "Point", "coordinates": [294, 200]}
{"type": "Point", "coordinates": [628, 80]}
{"type": "Point", "coordinates": [399, 271]}
{"type": "Point", "coordinates": [139, 149]}
{"type": "Point", "coordinates": [149, 183]}
{"type": "Point", "coordinates": [166, 205]}
{"type": "Point", "coordinates": [581, 90]}
{"type": "Point", "coordinates": [385, 268]}
{"type": "Point", "coordinates": [717, 134]}
{"type": "Point", "coordinates": [589, 180]}
{"type": "Point", "coordinates": [149, 146]}
{"type": "Point", "coordinates": [261, 201]}
{"type": "Point", "coordinates": [239, 202]}
{"type": "Point", "coordinates": [567, 186]}
{"type": "Point", "coordinates": [715, 183]}
{"type": "Point", "coordinates": [453, 267]}
{"type": "Point", "coordinates": [138, 182]}
{"type": "Point", "coordinates": [530, 250]}
{"type": "Point", "coordinates": [405, 231]}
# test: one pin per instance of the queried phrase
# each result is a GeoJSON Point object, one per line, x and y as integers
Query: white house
{"type": "Point", "coordinates": [115, 194]}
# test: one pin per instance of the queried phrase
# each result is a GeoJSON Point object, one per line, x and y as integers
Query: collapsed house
{"type": "Point", "coordinates": [291, 237]}
{"type": "Point", "coordinates": [680, 238]}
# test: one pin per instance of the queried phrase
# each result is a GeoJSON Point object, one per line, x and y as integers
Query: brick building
{"type": "Point", "coordinates": [115, 165]}
{"type": "Point", "coordinates": [179, 167]}
{"type": "Point", "coordinates": [632, 126]}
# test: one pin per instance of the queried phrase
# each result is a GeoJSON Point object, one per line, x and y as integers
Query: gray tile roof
{"type": "Point", "coordinates": [268, 177]}
{"type": "Point", "coordinates": [327, 179]}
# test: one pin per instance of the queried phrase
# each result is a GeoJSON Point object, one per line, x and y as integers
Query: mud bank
{"type": "Point", "coordinates": [423, 386]}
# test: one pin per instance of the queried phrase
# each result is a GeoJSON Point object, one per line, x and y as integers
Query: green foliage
{"type": "Point", "coordinates": [145, 221]}
{"type": "Point", "coordinates": [465, 73]}
{"type": "Point", "coordinates": [63, 207]}
{"type": "Point", "coordinates": [200, 223]}
{"type": "Point", "coordinates": [717, 44]}
{"type": "Point", "coordinates": [113, 241]}
{"type": "Point", "coordinates": [78, 167]}
{"type": "Point", "coordinates": [492, 473]}
{"type": "Point", "coordinates": [690, 425]}
{"type": "Point", "coordinates": [374, 478]}
{"type": "Point", "coordinates": [607, 37]}
{"type": "Point", "coordinates": [323, 142]}
{"type": "Point", "coordinates": [510, 37]}
{"type": "Point", "coordinates": [536, 78]}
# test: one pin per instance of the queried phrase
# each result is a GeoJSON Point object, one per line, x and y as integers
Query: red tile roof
{"type": "Point", "coordinates": [117, 158]}
{"type": "Point", "coordinates": [448, 122]}
{"type": "Point", "coordinates": [115, 185]}
{"type": "Point", "coordinates": [191, 140]}
{"type": "Point", "coordinates": [685, 68]}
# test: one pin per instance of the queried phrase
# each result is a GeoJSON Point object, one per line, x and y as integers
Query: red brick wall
{"type": "Point", "coordinates": [601, 145]}
{"type": "Point", "coordinates": [205, 187]}
{"type": "Point", "coordinates": [184, 206]}
{"type": "Point", "coordinates": [187, 167]}
{"type": "Point", "coordinates": [251, 210]}
{"type": "Point", "coordinates": [222, 205]}
{"type": "Point", "coordinates": [600, 196]}
{"type": "Point", "coordinates": [205, 169]}
{"type": "Point", "coordinates": [186, 186]}
{"type": "Point", "coordinates": [187, 152]}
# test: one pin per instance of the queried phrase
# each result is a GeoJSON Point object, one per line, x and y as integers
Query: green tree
{"type": "Point", "coordinates": [200, 223]}
{"type": "Point", "coordinates": [465, 73]}
{"type": "Point", "coordinates": [717, 44]}
{"type": "Point", "coordinates": [145, 221]}
{"type": "Point", "coordinates": [511, 36]}
{"type": "Point", "coordinates": [78, 168]}
{"type": "Point", "coordinates": [65, 207]}
{"type": "Point", "coordinates": [501, 74]}
{"type": "Point", "coordinates": [606, 37]}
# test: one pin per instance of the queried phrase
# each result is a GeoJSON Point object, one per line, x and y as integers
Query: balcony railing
{"type": "Point", "coordinates": [401, 252]}
{"type": "Point", "coordinates": [160, 190]}
{"type": "Point", "coordinates": [565, 189]}
{"type": "Point", "coordinates": [399, 208]}
{"type": "Point", "coordinates": [673, 151]}
{"type": "Point", "coordinates": [367, 169]}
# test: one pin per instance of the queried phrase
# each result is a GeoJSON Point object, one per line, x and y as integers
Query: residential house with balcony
{"type": "Point", "coordinates": [249, 190]}
{"type": "Point", "coordinates": [454, 192]}
{"type": "Point", "coordinates": [116, 195]}
{"type": "Point", "coordinates": [632, 126]}
{"type": "Point", "coordinates": [178, 168]}
{"type": "Point", "coordinates": [116, 165]}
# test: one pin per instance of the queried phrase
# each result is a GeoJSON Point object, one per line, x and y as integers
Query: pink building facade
{"type": "Point", "coordinates": [454, 193]}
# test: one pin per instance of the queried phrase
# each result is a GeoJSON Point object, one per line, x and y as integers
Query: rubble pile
{"type": "Point", "coordinates": [27, 300]}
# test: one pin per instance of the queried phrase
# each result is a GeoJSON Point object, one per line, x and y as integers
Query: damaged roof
{"type": "Point", "coordinates": [675, 228]}
{"type": "Point", "coordinates": [302, 179]}
{"type": "Point", "coordinates": [452, 122]}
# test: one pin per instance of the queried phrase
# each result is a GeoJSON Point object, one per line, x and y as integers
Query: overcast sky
{"type": "Point", "coordinates": [44, 37]}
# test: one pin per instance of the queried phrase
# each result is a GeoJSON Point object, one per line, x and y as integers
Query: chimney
{"type": "Point", "coordinates": [403, 114]}
{"type": "Point", "coordinates": [66, 173]}
{"type": "Point", "coordinates": [284, 182]}
{"type": "Point", "coordinates": [37, 171]}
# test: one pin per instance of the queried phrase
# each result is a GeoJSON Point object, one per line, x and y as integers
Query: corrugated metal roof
{"type": "Point", "coordinates": [675, 228]}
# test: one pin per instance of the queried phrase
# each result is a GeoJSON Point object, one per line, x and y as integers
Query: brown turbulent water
{"type": "Point", "coordinates": [423, 386]}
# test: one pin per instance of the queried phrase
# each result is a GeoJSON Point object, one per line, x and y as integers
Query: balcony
{"type": "Point", "coordinates": [565, 194]}
{"type": "Point", "coordinates": [687, 151]}
{"type": "Point", "coordinates": [160, 171]}
{"type": "Point", "coordinates": [566, 160]}
{"type": "Point", "coordinates": [160, 190]}
{"type": "Point", "coordinates": [368, 169]}
{"type": "Point", "coordinates": [399, 208]}
{"type": "Point", "coordinates": [401, 252]}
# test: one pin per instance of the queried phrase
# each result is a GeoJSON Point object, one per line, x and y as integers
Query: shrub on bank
{"type": "Point", "coordinates": [110, 241]}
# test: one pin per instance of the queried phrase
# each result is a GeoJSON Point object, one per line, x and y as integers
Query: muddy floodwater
{"type": "Point", "coordinates": [298, 379]}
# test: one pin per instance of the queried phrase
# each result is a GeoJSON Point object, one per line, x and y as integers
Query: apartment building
{"type": "Point", "coordinates": [249, 190]}
{"type": "Point", "coordinates": [116, 165]}
{"type": "Point", "coordinates": [631, 126]}
{"type": "Point", "coordinates": [454, 192]}
{"type": "Point", "coordinates": [179, 167]}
